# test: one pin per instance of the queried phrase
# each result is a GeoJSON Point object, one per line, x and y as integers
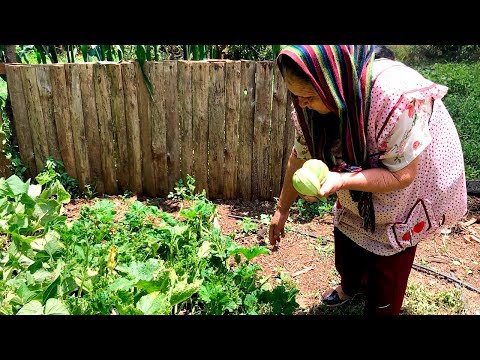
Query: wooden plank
{"type": "Point", "coordinates": [35, 116]}
{"type": "Point", "coordinates": [232, 116]}
{"type": "Point", "coordinates": [117, 104]}
{"type": "Point", "coordinates": [92, 131]}
{"type": "Point", "coordinates": [19, 108]}
{"type": "Point", "coordinates": [279, 118]}
{"type": "Point", "coordinates": [143, 98]}
{"type": "Point", "coordinates": [129, 77]}
{"type": "Point", "coordinates": [200, 84]}
{"type": "Point", "coordinates": [185, 116]}
{"type": "Point", "coordinates": [159, 137]}
{"type": "Point", "coordinates": [72, 74]}
{"type": "Point", "coordinates": [261, 131]}
{"type": "Point", "coordinates": [289, 135]}
{"type": "Point", "coordinates": [61, 111]}
{"type": "Point", "coordinates": [104, 112]}
{"type": "Point", "coordinates": [46, 99]}
{"type": "Point", "coordinates": [216, 133]}
{"type": "Point", "coordinates": [173, 127]}
{"type": "Point", "coordinates": [245, 129]}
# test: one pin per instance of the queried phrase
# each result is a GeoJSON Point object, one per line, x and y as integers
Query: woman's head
{"type": "Point", "coordinates": [300, 85]}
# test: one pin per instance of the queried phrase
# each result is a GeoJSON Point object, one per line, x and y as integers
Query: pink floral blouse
{"type": "Point", "coordinates": [408, 139]}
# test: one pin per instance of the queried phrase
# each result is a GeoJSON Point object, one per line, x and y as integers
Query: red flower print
{"type": "Point", "coordinates": [411, 109]}
{"type": "Point", "coordinates": [416, 144]}
{"type": "Point", "coordinates": [383, 146]}
{"type": "Point", "coordinates": [416, 230]}
{"type": "Point", "coordinates": [419, 227]}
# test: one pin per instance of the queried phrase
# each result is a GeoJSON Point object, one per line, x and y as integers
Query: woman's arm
{"type": "Point", "coordinates": [370, 180]}
{"type": "Point", "coordinates": [287, 196]}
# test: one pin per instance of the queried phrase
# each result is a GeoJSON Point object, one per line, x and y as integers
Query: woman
{"type": "Point", "coordinates": [395, 160]}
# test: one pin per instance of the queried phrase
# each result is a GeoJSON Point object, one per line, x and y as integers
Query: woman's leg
{"type": "Point", "coordinates": [387, 282]}
{"type": "Point", "coordinates": [351, 264]}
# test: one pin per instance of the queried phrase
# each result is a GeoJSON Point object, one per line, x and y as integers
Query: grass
{"type": "Point", "coordinates": [463, 103]}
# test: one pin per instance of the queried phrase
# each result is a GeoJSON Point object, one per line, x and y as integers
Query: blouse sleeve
{"type": "Point", "coordinates": [409, 137]}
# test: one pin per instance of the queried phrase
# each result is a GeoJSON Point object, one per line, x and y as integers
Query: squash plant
{"type": "Point", "coordinates": [148, 262]}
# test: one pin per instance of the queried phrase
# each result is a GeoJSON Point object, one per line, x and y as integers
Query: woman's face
{"type": "Point", "coordinates": [307, 96]}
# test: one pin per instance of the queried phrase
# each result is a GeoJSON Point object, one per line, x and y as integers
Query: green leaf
{"type": "Point", "coordinates": [25, 293]}
{"type": "Point", "coordinates": [40, 275]}
{"type": "Point", "coordinates": [154, 303]}
{"type": "Point", "coordinates": [250, 252]}
{"type": "Point", "coordinates": [54, 246]}
{"type": "Point", "coordinates": [68, 286]}
{"type": "Point", "coordinates": [204, 250]}
{"type": "Point", "coordinates": [17, 186]}
{"type": "Point", "coordinates": [121, 284]}
{"type": "Point", "coordinates": [55, 307]}
{"type": "Point", "coordinates": [84, 50]}
{"type": "Point", "coordinates": [183, 291]}
{"type": "Point", "coordinates": [142, 270]}
{"type": "Point", "coordinates": [34, 307]}
{"type": "Point", "coordinates": [51, 290]}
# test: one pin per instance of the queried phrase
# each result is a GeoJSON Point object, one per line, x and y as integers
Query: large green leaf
{"type": "Point", "coordinates": [154, 303]}
{"type": "Point", "coordinates": [142, 270]}
{"type": "Point", "coordinates": [55, 307]}
{"type": "Point", "coordinates": [121, 284]}
{"type": "Point", "coordinates": [183, 291]}
{"type": "Point", "coordinates": [17, 186]}
{"type": "Point", "coordinates": [34, 307]}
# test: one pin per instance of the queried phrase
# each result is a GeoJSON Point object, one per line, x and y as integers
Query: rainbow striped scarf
{"type": "Point", "coordinates": [342, 76]}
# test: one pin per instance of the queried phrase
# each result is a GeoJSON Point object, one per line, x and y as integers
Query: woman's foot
{"type": "Point", "coordinates": [335, 297]}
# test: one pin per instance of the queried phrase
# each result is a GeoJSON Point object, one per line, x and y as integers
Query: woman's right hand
{"type": "Point", "coordinates": [277, 226]}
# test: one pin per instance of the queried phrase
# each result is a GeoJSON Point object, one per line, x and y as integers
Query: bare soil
{"type": "Point", "coordinates": [306, 253]}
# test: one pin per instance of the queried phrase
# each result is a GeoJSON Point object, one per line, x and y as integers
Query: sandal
{"type": "Point", "coordinates": [334, 299]}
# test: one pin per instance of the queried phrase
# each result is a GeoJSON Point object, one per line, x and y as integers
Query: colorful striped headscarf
{"type": "Point", "coordinates": [342, 77]}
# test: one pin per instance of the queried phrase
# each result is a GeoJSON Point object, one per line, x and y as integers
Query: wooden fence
{"type": "Point", "coordinates": [224, 122]}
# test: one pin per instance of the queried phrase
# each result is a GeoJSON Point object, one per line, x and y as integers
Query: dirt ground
{"type": "Point", "coordinates": [306, 254]}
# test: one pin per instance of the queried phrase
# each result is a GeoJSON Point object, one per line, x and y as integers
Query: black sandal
{"type": "Point", "coordinates": [333, 299]}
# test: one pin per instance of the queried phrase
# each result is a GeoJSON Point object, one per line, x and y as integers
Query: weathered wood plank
{"type": "Point", "coordinates": [19, 108]}
{"type": "Point", "coordinates": [279, 118]}
{"type": "Point", "coordinates": [72, 74]}
{"type": "Point", "coordinates": [46, 99]}
{"type": "Point", "coordinates": [129, 76]}
{"type": "Point", "coordinates": [200, 84]}
{"type": "Point", "coordinates": [216, 133]}
{"type": "Point", "coordinates": [61, 111]}
{"type": "Point", "coordinates": [92, 131]}
{"type": "Point", "coordinates": [159, 137]}
{"type": "Point", "coordinates": [245, 129]}
{"type": "Point", "coordinates": [35, 116]}
{"type": "Point", "coordinates": [143, 98]}
{"type": "Point", "coordinates": [261, 131]}
{"type": "Point", "coordinates": [104, 112]}
{"type": "Point", "coordinates": [185, 116]}
{"type": "Point", "coordinates": [173, 126]}
{"type": "Point", "coordinates": [119, 127]}
{"type": "Point", "coordinates": [232, 117]}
